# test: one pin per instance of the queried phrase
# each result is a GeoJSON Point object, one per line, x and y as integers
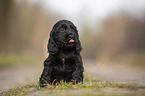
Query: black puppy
{"type": "Point", "coordinates": [64, 61]}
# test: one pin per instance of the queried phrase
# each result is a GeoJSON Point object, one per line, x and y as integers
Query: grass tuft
{"type": "Point", "coordinates": [89, 84]}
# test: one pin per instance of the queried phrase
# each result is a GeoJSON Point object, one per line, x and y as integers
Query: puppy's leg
{"type": "Point", "coordinates": [77, 75]}
{"type": "Point", "coordinates": [46, 74]}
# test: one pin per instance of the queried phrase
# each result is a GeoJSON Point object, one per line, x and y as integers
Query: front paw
{"type": "Point", "coordinates": [43, 82]}
{"type": "Point", "coordinates": [77, 79]}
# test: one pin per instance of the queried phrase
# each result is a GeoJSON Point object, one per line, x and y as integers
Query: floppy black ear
{"type": "Point", "coordinates": [78, 46]}
{"type": "Point", "coordinates": [52, 47]}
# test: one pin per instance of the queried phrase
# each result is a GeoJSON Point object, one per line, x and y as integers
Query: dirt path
{"type": "Point", "coordinates": [116, 73]}
{"type": "Point", "coordinates": [10, 77]}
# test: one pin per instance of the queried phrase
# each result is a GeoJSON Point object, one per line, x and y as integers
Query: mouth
{"type": "Point", "coordinates": [71, 41]}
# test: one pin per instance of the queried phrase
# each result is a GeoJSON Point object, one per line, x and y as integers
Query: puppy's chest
{"type": "Point", "coordinates": [64, 65]}
{"type": "Point", "coordinates": [65, 57]}
{"type": "Point", "coordinates": [65, 62]}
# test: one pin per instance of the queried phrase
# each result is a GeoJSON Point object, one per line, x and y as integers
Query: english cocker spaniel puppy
{"type": "Point", "coordinates": [64, 62]}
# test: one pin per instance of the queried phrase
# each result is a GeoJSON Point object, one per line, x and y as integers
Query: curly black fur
{"type": "Point", "coordinates": [64, 61]}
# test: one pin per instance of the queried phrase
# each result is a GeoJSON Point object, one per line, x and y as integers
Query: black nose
{"type": "Point", "coordinates": [71, 36]}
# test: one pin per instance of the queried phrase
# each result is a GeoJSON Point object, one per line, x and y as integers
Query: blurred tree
{"type": "Point", "coordinates": [24, 27]}
{"type": "Point", "coordinates": [5, 7]}
{"type": "Point", "coordinates": [91, 42]}
{"type": "Point", "coordinates": [122, 34]}
{"type": "Point", "coordinates": [136, 35]}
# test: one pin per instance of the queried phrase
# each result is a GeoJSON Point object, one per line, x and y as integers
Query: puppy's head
{"type": "Point", "coordinates": [63, 35]}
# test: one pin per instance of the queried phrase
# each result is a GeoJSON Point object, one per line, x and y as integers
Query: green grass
{"type": "Point", "coordinates": [91, 87]}
{"type": "Point", "coordinates": [16, 59]}
{"type": "Point", "coordinates": [134, 59]}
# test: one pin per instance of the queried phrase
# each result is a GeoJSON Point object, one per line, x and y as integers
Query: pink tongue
{"type": "Point", "coordinates": [70, 41]}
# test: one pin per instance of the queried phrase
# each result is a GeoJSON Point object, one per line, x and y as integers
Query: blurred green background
{"type": "Point", "coordinates": [25, 27]}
